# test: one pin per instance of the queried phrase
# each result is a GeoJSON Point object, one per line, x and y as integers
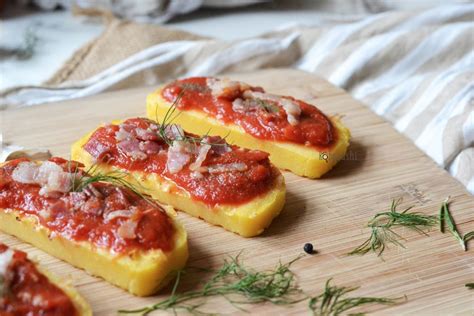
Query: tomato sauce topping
{"type": "Point", "coordinates": [26, 291]}
{"type": "Point", "coordinates": [208, 169]}
{"type": "Point", "coordinates": [103, 214]}
{"type": "Point", "coordinates": [262, 115]}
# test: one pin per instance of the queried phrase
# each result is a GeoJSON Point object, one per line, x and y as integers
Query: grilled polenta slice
{"type": "Point", "coordinates": [106, 229]}
{"type": "Point", "coordinates": [298, 136]}
{"type": "Point", "coordinates": [25, 288]}
{"type": "Point", "coordinates": [224, 185]}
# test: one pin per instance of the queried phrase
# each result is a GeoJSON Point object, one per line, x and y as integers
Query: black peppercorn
{"type": "Point", "coordinates": [308, 248]}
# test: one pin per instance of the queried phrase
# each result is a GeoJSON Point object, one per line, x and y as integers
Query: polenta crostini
{"type": "Point", "coordinates": [92, 223]}
{"type": "Point", "coordinates": [26, 289]}
{"type": "Point", "coordinates": [297, 135]}
{"type": "Point", "coordinates": [225, 185]}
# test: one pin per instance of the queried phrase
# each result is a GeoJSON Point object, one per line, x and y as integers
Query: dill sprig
{"type": "Point", "coordinates": [116, 177]}
{"type": "Point", "coordinates": [382, 224]}
{"type": "Point", "coordinates": [445, 218]}
{"type": "Point", "coordinates": [167, 124]}
{"type": "Point", "coordinates": [168, 118]}
{"type": "Point", "coordinates": [238, 285]}
{"type": "Point", "coordinates": [332, 301]}
{"type": "Point", "coordinates": [93, 176]}
{"type": "Point", "coordinates": [470, 286]}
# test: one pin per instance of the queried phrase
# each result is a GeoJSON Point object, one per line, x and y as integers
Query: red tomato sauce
{"type": "Point", "coordinates": [234, 188]}
{"type": "Point", "coordinates": [314, 128]}
{"type": "Point", "coordinates": [29, 292]}
{"type": "Point", "coordinates": [80, 217]}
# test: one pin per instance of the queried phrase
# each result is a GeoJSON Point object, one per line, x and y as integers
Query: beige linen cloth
{"type": "Point", "coordinates": [413, 68]}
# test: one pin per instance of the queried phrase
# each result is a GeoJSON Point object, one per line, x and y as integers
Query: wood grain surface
{"type": "Point", "coordinates": [331, 212]}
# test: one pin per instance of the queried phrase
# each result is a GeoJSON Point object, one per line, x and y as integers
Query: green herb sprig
{"type": "Point", "coordinates": [92, 175]}
{"type": "Point", "coordinates": [446, 219]}
{"type": "Point", "coordinates": [168, 118]}
{"type": "Point", "coordinates": [332, 301]}
{"type": "Point", "coordinates": [241, 285]}
{"type": "Point", "coordinates": [116, 177]}
{"type": "Point", "coordinates": [382, 225]}
{"type": "Point", "coordinates": [167, 123]}
{"type": "Point", "coordinates": [238, 285]}
{"type": "Point", "coordinates": [470, 286]}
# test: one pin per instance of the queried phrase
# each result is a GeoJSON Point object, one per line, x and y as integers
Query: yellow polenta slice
{"type": "Point", "coordinates": [21, 278]}
{"type": "Point", "coordinates": [104, 229]}
{"type": "Point", "coordinates": [234, 105]}
{"type": "Point", "coordinates": [224, 185]}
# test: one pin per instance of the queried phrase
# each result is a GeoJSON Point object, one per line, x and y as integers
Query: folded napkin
{"type": "Point", "coordinates": [413, 68]}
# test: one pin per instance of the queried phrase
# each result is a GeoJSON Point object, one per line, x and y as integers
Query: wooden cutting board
{"type": "Point", "coordinates": [331, 212]}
